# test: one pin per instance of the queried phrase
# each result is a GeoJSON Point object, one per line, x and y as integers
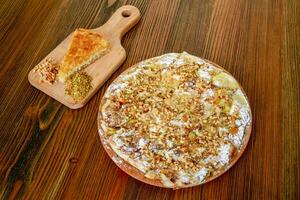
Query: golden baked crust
{"type": "Point", "coordinates": [86, 46]}
{"type": "Point", "coordinates": [176, 119]}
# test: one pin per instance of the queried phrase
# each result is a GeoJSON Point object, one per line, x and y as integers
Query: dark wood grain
{"type": "Point", "coordinates": [48, 151]}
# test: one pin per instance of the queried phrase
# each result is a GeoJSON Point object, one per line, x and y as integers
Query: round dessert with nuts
{"type": "Point", "coordinates": [175, 121]}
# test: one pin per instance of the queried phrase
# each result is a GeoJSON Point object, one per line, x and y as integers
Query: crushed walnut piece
{"type": "Point", "coordinates": [47, 70]}
{"type": "Point", "coordinates": [176, 118]}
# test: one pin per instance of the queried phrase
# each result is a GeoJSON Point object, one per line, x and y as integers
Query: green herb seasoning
{"type": "Point", "coordinates": [78, 85]}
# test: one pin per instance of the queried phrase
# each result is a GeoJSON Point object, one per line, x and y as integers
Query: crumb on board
{"type": "Point", "coordinates": [78, 85]}
{"type": "Point", "coordinates": [47, 70]}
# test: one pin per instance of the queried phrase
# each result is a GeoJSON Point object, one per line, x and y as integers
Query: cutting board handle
{"type": "Point", "coordinates": [122, 21]}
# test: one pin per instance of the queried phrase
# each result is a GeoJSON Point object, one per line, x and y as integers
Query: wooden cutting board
{"type": "Point", "coordinates": [100, 70]}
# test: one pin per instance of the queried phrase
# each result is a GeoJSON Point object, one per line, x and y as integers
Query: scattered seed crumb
{"type": "Point", "coordinates": [78, 85]}
{"type": "Point", "coordinates": [47, 70]}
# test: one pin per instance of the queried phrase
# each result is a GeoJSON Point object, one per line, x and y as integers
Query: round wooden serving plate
{"type": "Point", "coordinates": [134, 172]}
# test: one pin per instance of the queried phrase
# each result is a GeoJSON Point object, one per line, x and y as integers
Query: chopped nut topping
{"type": "Point", "coordinates": [78, 85]}
{"type": "Point", "coordinates": [47, 70]}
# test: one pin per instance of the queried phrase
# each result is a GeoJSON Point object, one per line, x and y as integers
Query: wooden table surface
{"type": "Point", "coordinates": [48, 151]}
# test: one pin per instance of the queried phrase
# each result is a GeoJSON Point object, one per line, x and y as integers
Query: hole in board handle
{"type": "Point", "coordinates": [126, 13]}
